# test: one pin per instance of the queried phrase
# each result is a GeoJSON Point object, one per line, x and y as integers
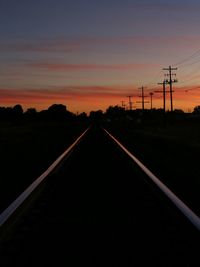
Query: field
{"type": "Point", "coordinates": [27, 149]}
{"type": "Point", "coordinates": [170, 150]}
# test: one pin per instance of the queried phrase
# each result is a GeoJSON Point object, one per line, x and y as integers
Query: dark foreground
{"type": "Point", "coordinates": [99, 209]}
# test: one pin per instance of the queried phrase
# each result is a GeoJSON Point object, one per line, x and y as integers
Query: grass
{"type": "Point", "coordinates": [27, 149]}
{"type": "Point", "coordinates": [171, 151]}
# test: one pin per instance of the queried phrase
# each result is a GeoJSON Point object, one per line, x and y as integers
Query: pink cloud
{"type": "Point", "coordinates": [63, 92]}
{"type": "Point", "coordinates": [69, 45]}
{"type": "Point", "coordinates": [89, 67]}
{"type": "Point", "coordinates": [41, 46]}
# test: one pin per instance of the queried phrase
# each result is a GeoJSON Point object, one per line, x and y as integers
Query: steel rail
{"type": "Point", "coordinates": [189, 214]}
{"type": "Point", "coordinates": [6, 214]}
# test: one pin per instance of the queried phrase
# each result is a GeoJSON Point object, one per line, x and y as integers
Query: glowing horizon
{"type": "Point", "coordinates": [99, 97]}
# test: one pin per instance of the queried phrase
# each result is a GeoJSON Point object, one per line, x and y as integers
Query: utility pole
{"type": "Point", "coordinates": [142, 96]}
{"type": "Point", "coordinates": [130, 102]}
{"type": "Point", "coordinates": [151, 95]}
{"type": "Point", "coordinates": [170, 82]}
{"type": "Point", "coordinates": [123, 104]}
{"type": "Point", "coordinates": [164, 94]}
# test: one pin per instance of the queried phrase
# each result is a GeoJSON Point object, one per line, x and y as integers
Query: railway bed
{"type": "Point", "coordinates": [98, 208]}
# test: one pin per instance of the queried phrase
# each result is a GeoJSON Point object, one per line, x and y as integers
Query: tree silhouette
{"type": "Point", "coordinates": [17, 109]}
{"type": "Point", "coordinates": [196, 110]}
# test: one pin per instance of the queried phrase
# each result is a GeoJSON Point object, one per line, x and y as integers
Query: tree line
{"type": "Point", "coordinates": [55, 111]}
{"type": "Point", "coordinates": [60, 112]}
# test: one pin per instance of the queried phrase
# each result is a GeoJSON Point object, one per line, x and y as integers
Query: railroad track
{"type": "Point", "coordinates": [98, 206]}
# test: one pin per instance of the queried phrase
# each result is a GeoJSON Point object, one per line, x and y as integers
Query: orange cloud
{"type": "Point", "coordinates": [87, 98]}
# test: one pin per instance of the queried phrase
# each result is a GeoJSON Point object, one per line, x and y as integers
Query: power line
{"type": "Point", "coordinates": [186, 59]}
{"type": "Point", "coordinates": [190, 64]}
{"type": "Point", "coordinates": [151, 82]}
{"type": "Point", "coordinates": [191, 76]}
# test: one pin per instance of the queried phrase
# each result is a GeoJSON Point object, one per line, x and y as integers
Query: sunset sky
{"type": "Point", "coordinates": [89, 54]}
